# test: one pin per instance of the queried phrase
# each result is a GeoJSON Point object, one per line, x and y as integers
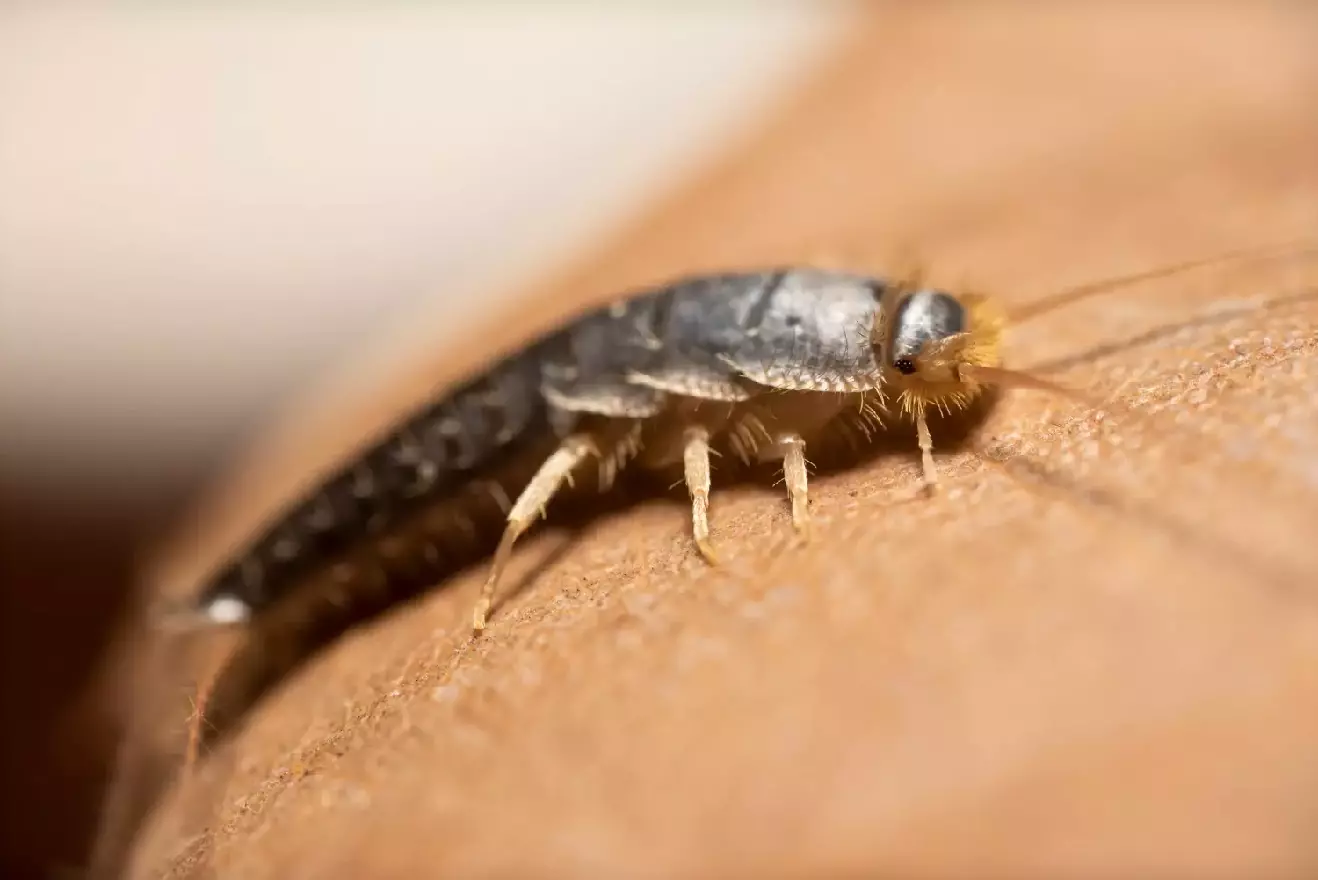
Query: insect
{"type": "Point", "coordinates": [758, 364]}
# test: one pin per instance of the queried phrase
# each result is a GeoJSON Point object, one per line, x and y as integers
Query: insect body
{"type": "Point", "coordinates": [755, 363]}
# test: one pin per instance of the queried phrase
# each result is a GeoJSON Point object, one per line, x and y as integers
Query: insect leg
{"type": "Point", "coordinates": [793, 418]}
{"type": "Point", "coordinates": [695, 461]}
{"type": "Point", "coordinates": [530, 504]}
{"type": "Point", "coordinates": [794, 475]}
{"type": "Point", "coordinates": [927, 454]}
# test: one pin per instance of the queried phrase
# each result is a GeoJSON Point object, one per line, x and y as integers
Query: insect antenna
{"type": "Point", "coordinates": [1003, 377]}
{"type": "Point", "coordinates": [1014, 378]}
{"type": "Point", "coordinates": [1030, 311]}
{"type": "Point", "coordinates": [1164, 331]}
{"type": "Point", "coordinates": [1260, 544]}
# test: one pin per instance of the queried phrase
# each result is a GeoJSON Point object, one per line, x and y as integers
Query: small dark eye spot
{"type": "Point", "coordinates": [905, 366]}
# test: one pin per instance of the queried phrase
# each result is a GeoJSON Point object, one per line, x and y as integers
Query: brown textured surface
{"type": "Point", "coordinates": [1102, 657]}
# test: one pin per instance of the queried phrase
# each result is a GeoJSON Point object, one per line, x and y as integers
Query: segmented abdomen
{"type": "Point", "coordinates": [716, 337]}
{"type": "Point", "coordinates": [431, 455]}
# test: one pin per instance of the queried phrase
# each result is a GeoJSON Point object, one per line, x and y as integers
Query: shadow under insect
{"type": "Point", "coordinates": [277, 645]}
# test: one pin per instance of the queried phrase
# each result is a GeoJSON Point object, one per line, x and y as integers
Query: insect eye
{"type": "Point", "coordinates": [922, 318]}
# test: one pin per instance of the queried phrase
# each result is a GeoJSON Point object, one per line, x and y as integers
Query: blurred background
{"type": "Point", "coordinates": [211, 212]}
{"type": "Point", "coordinates": [237, 238]}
